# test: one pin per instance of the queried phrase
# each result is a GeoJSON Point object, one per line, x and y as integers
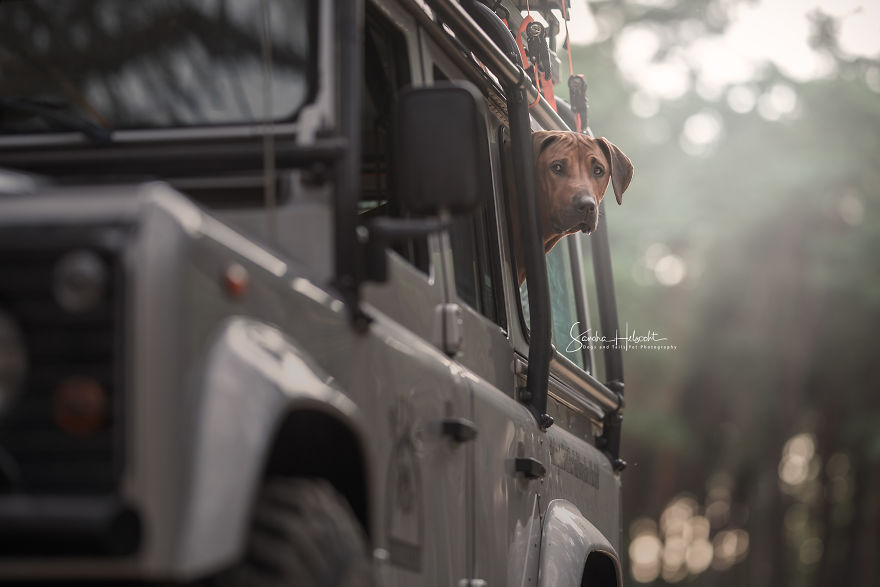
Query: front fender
{"type": "Point", "coordinates": [566, 541]}
{"type": "Point", "coordinates": [252, 377]}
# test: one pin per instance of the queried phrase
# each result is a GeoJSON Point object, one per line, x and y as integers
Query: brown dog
{"type": "Point", "coordinates": [572, 172]}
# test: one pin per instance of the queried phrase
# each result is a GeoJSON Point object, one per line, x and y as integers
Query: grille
{"type": "Point", "coordinates": [36, 455]}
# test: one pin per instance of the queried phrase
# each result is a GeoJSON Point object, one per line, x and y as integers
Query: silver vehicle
{"type": "Point", "coordinates": [259, 322]}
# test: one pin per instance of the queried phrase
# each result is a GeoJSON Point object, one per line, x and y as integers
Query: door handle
{"type": "Point", "coordinates": [460, 429]}
{"type": "Point", "coordinates": [530, 468]}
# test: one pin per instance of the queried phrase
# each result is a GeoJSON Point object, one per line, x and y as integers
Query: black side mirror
{"type": "Point", "coordinates": [442, 149]}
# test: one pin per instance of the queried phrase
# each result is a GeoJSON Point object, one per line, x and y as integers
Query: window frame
{"type": "Point", "coordinates": [583, 310]}
{"type": "Point", "coordinates": [483, 223]}
{"type": "Point", "coordinates": [302, 118]}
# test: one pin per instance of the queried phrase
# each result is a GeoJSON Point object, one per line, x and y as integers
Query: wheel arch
{"type": "Point", "coordinates": [315, 443]}
{"type": "Point", "coordinates": [263, 407]}
{"type": "Point", "coordinates": [601, 569]}
{"type": "Point", "coordinates": [574, 552]}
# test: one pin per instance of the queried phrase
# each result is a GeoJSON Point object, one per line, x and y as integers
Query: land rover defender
{"type": "Point", "coordinates": [258, 316]}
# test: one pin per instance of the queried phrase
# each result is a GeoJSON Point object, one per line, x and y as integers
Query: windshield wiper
{"type": "Point", "coordinates": [98, 134]}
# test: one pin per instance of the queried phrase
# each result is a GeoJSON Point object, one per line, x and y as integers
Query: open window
{"type": "Point", "coordinates": [566, 265]}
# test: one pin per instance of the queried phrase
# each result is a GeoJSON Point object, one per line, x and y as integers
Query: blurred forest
{"type": "Point", "coordinates": [749, 239]}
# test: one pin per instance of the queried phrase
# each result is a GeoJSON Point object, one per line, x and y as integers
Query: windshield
{"type": "Point", "coordinates": [118, 64]}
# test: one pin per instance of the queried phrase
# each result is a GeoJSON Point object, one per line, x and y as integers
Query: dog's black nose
{"type": "Point", "coordinates": [585, 203]}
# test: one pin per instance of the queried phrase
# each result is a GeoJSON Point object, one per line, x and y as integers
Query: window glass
{"type": "Point", "coordinates": [152, 63]}
{"type": "Point", "coordinates": [591, 317]}
{"type": "Point", "coordinates": [475, 273]}
{"type": "Point", "coordinates": [563, 306]}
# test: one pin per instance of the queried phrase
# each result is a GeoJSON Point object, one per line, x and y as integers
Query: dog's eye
{"type": "Point", "coordinates": [598, 171]}
{"type": "Point", "coordinates": [557, 167]}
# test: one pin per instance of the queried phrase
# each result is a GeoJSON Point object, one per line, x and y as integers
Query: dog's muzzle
{"type": "Point", "coordinates": [586, 209]}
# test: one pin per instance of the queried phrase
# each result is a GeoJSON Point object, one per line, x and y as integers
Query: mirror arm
{"type": "Point", "coordinates": [382, 232]}
{"type": "Point", "coordinates": [387, 229]}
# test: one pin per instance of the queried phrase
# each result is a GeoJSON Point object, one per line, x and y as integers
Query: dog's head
{"type": "Point", "coordinates": [573, 171]}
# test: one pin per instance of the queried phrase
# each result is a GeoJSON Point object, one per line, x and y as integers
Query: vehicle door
{"type": "Point", "coordinates": [414, 386]}
{"type": "Point", "coordinates": [503, 505]}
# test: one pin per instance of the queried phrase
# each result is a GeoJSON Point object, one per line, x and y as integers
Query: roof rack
{"type": "Point", "coordinates": [495, 59]}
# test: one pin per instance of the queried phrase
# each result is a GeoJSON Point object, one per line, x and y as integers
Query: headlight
{"type": "Point", "coordinates": [13, 361]}
{"type": "Point", "coordinates": [80, 281]}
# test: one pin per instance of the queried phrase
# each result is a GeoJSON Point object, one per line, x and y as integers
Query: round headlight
{"type": "Point", "coordinates": [80, 281]}
{"type": "Point", "coordinates": [13, 361]}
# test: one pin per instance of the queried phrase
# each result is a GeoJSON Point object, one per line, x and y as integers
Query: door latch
{"type": "Point", "coordinates": [529, 467]}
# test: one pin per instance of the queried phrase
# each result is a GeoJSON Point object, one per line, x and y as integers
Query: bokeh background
{"type": "Point", "coordinates": [750, 239]}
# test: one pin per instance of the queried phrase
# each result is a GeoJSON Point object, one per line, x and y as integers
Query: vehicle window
{"type": "Point", "coordinates": [563, 306]}
{"type": "Point", "coordinates": [386, 71]}
{"type": "Point", "coordinates": [568, 319]}
{"type": "Point", "coordinates": [591, 311]}
{"type": "Point", "coordinates": [475, 275]}
{"type": "Point", "coordinates": [474, 253]}
{"type": "Point", "coordinates": [102, 62]}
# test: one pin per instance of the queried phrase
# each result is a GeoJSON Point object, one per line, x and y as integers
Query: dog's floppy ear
{"type": "Point", "coordinates": [541, 139]}
{"type": "Point", "coordinates": [621, 167]}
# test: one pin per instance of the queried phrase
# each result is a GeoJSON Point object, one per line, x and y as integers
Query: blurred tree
{"type": "Point", "coordinates": [771, 393]}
